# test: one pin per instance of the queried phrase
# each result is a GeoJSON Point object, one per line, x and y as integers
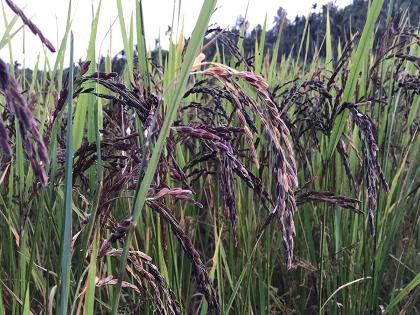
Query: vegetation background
{"type": "Point", "coordinates": [264, 171]}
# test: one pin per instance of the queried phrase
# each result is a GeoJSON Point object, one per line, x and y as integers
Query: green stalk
{"type": "Point", "coordinates": [141, 44]}
{"type": "Point", "coordinates": [90, 292]}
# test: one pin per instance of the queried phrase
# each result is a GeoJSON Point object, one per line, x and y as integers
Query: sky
{"type": "Point", "coordinates": [50, 17]}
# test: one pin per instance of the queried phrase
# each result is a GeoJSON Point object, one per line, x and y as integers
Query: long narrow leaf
{"type": "Point", "coordinates": [67, 214]}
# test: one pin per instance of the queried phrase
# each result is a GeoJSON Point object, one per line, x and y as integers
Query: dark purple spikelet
{"type": "Point", "coordinates": [227, 190]}
{"type": "Point", "coordinates": [34, 29]}
{"type": "Point", "coordinates": [341, 149]}
{"type": "Point", "coordinates": [374, 175]}
{"type": "Point", "coordinates": [85, 67]}
{"type": "Point", "coordinates": [104, 75]}
{"type": "Point", "coordinates": [32, 141]}
{"type": "Point", "coordinates": [200, 272]}
{"type": "Point", "coordinates": [4, 139]}
{"type": "Point", "coordinates": [329, 197]}
{"type": "Point", "coordinates": [156, 280]}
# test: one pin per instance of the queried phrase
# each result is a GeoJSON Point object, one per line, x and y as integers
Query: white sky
{"type": "Point", "coordinates": [50, 17]}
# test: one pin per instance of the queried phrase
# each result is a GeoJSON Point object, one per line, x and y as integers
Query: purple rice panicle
{"type": "Point", "coordinates": [278, 134]}
{"type": "Point", "coordinates": [329, 197]}
{"type": "Point", "coordinates": [227, 188]}
{"type": "Point", "coordinates": [32, 140]}
{"type": "Point", "coordinates": [147, 274]}
{"type": "Point", "coordinates": [374, 175]}
{"type": "Point", "coordinates": [200, 271]}
{"type": "Point", "coordinates": [34, 29]}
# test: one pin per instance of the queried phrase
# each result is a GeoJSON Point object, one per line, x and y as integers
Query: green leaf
{"type": "Point", "coordinates": [404, 292]}
{"type": "Point", "coordinates": [90, 293]}
{"type": "Point", "coordinates": [67, 220]}
{"type": "Point", "coordinates": [87, 101]}
{"type": "Point", "coordinates": [356, 64]}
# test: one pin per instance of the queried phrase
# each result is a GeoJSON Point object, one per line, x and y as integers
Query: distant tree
{"type": "Point", "coordinates": [344, 22]}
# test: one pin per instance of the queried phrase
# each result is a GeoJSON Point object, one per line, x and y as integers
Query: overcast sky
{"type": "Point", "coordinates": [50, 17]}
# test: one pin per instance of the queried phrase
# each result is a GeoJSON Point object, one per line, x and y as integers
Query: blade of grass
{"type": "Point", "coordinates": [404, 292]}
{"type": "Point", "coordinates": [141, 44]}
{"type": "Point", "coordinates": [87, 102]}
{"type": "Point", "coordinates": [126, 41]}
{"type": "Point", "coordinates": [90, 293]}
{"type": "Point", "coordinates": [241, 277]}
{"type": "Point", "coordinates": [342, 287]}
{"type": "Point", "coordinates": [67, 221]}
{"type": "Point", "coordinates": [356, 64]}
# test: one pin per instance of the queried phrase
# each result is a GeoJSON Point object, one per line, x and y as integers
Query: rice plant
{"type": "Point", "coordinates": [194, 182]}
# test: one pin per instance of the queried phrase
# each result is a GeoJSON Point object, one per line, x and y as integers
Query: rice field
{"type": "Point", "coordinates": [191, 183]}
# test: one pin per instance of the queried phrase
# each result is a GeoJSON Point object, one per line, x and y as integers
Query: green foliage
{"type": "Point", "coordinates": [171, 182]}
